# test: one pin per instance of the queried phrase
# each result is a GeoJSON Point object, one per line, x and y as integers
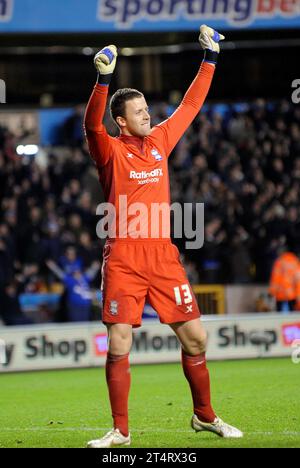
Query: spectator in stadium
{"type": "Point", "coordinates": [51, 244]}
{"type": "Point", "coordinates": [72, 129]}
{"type": "Point", "coordinates": [293, 226]}
{"type": "Point", "coordinates": [86, 210]}
{"type": "Point", "coordinates": [138, 268]}
{"type": "Point", "coordinates": [211, 255]}
{"type": "Point", "coordinates": [87, 250]}
{"type": "Point", "coordinates": [33, 281]}
{"type": "Point", "coordinates": [70, 261]}
{"type": "Point", "coordinates": [284, 279]}
{"type": "Point", "coordinates": [6, 261]}
{"type": "Point", "coordinates": [30, 234]}
{"type": "Point", "coordinates": [78, 292]}
{"type": "Point", "coordinates": [75, 225]}
{"type": "Point", "coordinates": [10, 310]}
{"type": "Point", "coordinates": [239, 259]}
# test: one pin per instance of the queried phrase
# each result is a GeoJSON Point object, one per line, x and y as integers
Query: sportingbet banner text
{"type": "Point", "coordinates": [85, 345]}
{"type": "Point", "coordinates": [145, 15]}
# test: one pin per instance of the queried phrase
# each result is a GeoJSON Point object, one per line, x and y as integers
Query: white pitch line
{"type": "Point", "coordinates": [145, 430]}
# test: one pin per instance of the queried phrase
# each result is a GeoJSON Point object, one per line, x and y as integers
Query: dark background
{"type": "Point", "coordinates": [253, 64]}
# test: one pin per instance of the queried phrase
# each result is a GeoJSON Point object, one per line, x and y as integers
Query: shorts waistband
{"type": "Point", "coordinates": [129, 240]}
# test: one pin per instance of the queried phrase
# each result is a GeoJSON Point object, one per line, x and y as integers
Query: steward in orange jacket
{"type": "Point", "coordinates": [297, 305]}
{"type": "Point", "coordinates": [283, 284]}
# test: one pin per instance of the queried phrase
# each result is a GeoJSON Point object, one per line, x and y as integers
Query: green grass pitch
{"type": "Point", "coordinates": [68, 408]}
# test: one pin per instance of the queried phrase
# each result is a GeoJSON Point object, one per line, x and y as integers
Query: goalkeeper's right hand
{"type": "Point", "coordinates": [105, 62]}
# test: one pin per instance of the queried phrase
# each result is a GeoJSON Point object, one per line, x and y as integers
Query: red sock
{"type": "Point", "coordinates": [197, 375]}
{"type": "Point", "coordinates": [118, 382]}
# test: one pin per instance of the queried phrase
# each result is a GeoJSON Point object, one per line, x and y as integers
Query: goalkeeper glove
{"type": "Point", "coordinates": [209, 40]}
{"type": "Point", "coordinates": [105, 62]}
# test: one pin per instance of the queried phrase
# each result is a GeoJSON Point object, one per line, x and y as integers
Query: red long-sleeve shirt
{"type": "Point", "coordinates": [137, 167]}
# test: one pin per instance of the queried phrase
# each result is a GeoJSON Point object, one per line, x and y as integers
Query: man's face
{"type": "Point", "coordinates": [137, 119]}
{"type": "Point", "coordinates": [71, 254]}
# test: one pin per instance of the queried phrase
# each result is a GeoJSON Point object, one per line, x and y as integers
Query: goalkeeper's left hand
{"type": "Point", "coordinates": [209, 40]}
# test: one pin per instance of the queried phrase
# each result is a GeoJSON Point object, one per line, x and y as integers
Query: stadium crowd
{"type": "Point", "coordinates": [243, 163]}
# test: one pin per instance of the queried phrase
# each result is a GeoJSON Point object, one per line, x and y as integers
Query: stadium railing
{"type": "Point", "coordinates": [211, 298]}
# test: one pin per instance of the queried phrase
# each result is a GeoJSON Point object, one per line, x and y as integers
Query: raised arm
{"type": "Point", "coordinates": [55, 269]}
{"type": "Point", "coordinates": [92, 271]}
{"type": "Point", "coordinates": [171, 130]}
{"type": "Point", "coordinates": [99, 141]}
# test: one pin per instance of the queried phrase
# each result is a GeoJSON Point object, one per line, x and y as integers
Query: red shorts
{"type": "Point", "coordinates": [135, 272]}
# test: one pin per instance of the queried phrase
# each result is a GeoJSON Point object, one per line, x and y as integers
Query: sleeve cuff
{"type": "Point", "coordinates": [210, 56]}
{"type": "Point", "coordinates": [104, 79]}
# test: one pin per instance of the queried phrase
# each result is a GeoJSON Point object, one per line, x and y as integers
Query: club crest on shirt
{"type": "Point", "coordinates": [156, 155]}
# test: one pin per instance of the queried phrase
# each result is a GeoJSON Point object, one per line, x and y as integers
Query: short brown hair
{"type": "Point", "coordinates": [118, 100]}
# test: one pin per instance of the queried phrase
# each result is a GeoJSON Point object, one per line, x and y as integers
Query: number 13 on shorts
{"type": "Point", "coordinates": [183, 294]}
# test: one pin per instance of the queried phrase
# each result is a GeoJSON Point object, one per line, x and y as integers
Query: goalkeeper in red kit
{"type": "Point", "coordinates": [139, 267]}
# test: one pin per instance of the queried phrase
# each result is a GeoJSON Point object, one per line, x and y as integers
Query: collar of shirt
{"type": "Point", "coordinates": [132, 140]}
